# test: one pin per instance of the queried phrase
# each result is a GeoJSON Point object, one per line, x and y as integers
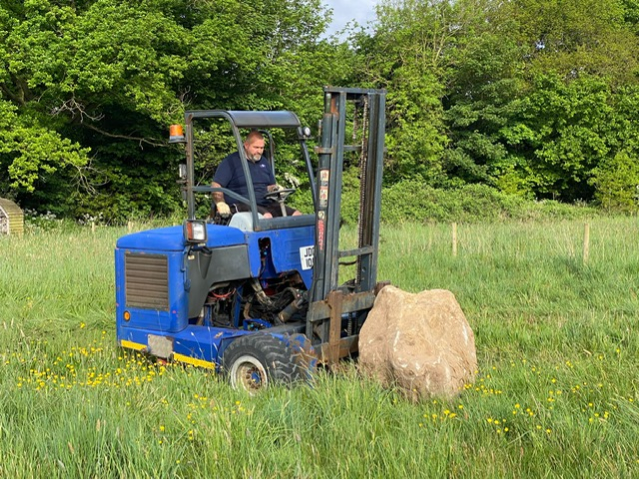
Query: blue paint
{"type": "Point", "coordinates": [281, 254]}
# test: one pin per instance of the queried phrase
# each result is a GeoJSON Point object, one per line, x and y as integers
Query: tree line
{"type": "Point", "coordinates": [533, 98]}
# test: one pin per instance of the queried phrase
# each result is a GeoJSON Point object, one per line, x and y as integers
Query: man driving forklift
{"type": "Point", "coordinates": [230, 174]}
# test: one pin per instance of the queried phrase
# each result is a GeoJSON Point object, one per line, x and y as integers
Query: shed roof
{"type": "Point", "coordinates": [10, 208]}
{"type": "Point", "coordinates": [11, 216]}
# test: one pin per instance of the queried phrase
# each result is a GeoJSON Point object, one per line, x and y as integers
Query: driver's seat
{"type": "Point", "coordinates": [243, 221]}
{"type": "Point", "coordinates": [240, 220]}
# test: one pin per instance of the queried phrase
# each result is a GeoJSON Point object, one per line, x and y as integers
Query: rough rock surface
{"type": "Point", "coordinates": [420, 342]}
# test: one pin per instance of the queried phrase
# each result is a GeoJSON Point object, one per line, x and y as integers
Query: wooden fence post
{"type": "Point", "coordinates": [454, 239]}
{"type": "Point", "coordinates": [585, 244]}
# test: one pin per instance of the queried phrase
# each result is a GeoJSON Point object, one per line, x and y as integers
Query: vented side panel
{"type": "Point", "coordinates": [146, 281]}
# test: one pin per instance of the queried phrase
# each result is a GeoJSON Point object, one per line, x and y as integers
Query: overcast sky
{"type": "Point", "coordinates": [345, 11]}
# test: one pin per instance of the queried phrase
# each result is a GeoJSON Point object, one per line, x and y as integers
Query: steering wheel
{"type": "Point", "coordinates": [279, 195]}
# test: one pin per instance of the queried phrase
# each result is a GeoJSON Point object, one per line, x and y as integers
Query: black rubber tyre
{"type": "Point", "coordinates": [255, 362]}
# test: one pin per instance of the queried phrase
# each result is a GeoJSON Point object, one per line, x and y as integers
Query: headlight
{"type": "Point", "coordinates": [195, 231]}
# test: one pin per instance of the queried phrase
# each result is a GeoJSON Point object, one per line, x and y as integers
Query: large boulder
{"type": "Point", "coordinates": [420, 342]}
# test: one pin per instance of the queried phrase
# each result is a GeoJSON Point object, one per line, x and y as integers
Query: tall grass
{"type": "Point", "coordinates": [556, 394]}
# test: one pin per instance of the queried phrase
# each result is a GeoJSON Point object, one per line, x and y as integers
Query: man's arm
{"type": "Point", "coordinates": [217, 196]}
{"type": "Point", "coordinates": [222, 178]}
{"type": "Point", "coordinates": [218, 200]}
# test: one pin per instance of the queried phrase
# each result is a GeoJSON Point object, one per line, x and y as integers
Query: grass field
{"type": "Point", "coordinates": [556, 394]}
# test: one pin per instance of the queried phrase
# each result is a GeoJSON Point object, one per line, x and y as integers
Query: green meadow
{"type": "Point", "coordinates": [555, 395]}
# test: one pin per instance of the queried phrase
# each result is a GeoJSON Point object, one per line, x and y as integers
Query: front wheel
{"type": "Point", "coordinates": [248, 373]}
{"type": "Point", "coordinates": [255, 362]}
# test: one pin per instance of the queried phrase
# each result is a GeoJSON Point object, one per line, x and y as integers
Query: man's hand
{"type": "Point", "coordinates": [274, 188]}
{"type": "Point", "coordinates": [223, 209]}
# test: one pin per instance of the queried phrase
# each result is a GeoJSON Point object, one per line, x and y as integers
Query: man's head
{"type": "Point", "coordinates": [254, 146]}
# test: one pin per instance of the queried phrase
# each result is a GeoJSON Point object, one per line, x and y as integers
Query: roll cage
{"type": "Point", "coordinates": [261, 121]}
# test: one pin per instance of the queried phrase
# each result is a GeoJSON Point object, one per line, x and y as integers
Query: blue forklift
{"type": "Point", "coordinates": [258, 299]}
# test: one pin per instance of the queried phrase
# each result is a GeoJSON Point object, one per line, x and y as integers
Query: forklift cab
{"type": "Point", "coordinates": [252, 120]}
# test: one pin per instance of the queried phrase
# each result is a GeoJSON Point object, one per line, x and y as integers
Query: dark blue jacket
{"type": "Point", "coordinates": [229, 174]}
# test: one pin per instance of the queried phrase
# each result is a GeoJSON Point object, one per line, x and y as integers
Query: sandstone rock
{"type": "Point", "coordinates": [420, 342]}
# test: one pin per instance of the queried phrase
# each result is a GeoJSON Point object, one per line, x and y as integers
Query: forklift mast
{"type": "Point", "coordinates": [329, 304]}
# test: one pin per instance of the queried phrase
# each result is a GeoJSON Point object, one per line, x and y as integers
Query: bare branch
{"type": "Point", "coordinates": [141, 140]}
{"type": "Point", "coordinates": [82, 180]}
{"type": "Point", "coordinates": [75, 107]}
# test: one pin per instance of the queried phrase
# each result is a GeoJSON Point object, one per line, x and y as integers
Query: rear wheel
{"type": "Point", "coordinates": [255, 362]}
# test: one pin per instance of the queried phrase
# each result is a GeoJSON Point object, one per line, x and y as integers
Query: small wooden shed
{"type": "Point", "coordinates": [11, 218]}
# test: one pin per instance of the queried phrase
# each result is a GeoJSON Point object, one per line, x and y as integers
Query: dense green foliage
{"type": "Point", "coordinates": [533, 98]}
{"type": "Point", "coordinates": [556, 394]}
{"type": "Point", "coordinates": [93, 86]}
{"type": "Point", "coordinates": [529, 97]}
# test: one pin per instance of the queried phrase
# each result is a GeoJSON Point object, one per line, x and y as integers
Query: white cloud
{"type": "Point", "coordinates": [345, 11]}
